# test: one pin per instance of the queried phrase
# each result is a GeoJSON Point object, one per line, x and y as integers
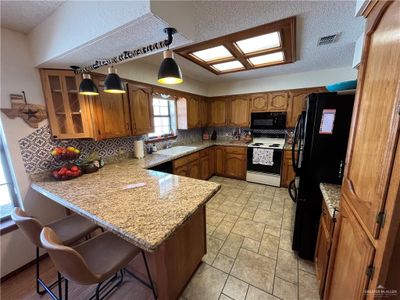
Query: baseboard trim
{"type": "Point", "coordinates": [22, 268]}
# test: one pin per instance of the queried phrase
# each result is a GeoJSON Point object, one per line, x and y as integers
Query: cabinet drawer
{"type": "Point", "coordinates": [236, 150]}
{"type": "Point", "coordinates": [185, 160]}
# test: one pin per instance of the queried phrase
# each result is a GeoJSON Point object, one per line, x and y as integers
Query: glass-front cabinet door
{"type": "Point", "coordinates": [68, 111]}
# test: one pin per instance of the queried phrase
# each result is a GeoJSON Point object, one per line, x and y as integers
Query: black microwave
{"type": "Point", "coordinates": [268, 120]}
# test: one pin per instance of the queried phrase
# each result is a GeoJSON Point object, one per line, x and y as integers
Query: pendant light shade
{"type": "Point", "coordinates": [169, 72]}
{"type": "Point", "coordinates": [87, 86]}
{"type": "Point", "coordinates": [113, 83]}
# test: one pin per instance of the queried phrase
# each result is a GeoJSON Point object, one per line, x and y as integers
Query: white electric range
{"type": "Point", "coordinates": [265, 173]}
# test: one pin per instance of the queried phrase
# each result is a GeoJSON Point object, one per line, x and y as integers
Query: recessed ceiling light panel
{"type": "Point", "coordinates": [228, 66]}
{"type": "Point", "coordinates": [212, 54]}
{"type": "Point", "coordinates": [267, 59]}
{"type": "Point", "coordinates": [259, 43]}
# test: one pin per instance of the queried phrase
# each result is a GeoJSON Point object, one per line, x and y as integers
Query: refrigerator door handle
{"type": "Point", "coordinates": [296, 137]}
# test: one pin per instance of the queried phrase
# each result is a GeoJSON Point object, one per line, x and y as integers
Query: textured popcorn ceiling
{"type": "Point", "coordinates": [140, 32]}
{"type": "Point", "coordinates": [211, 19]}
{"type": "Point", "coordinates": [314, 19]}
{"type": "Point", "coordinates": [23, 16]}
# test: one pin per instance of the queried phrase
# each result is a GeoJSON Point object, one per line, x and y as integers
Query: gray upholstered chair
{"type": "Point", "coordinates": [69, 229]}
{"type": "Point", "coordinates": [100, 260]}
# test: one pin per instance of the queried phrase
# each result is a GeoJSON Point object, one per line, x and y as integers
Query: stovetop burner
{"type": "Point", "coordinates": [257, 144]}
{"type": "Point", "coordinates": [274, 145]}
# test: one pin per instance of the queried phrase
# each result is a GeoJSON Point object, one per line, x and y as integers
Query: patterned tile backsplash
{"type": "Point", "coordinates": [36, 147]}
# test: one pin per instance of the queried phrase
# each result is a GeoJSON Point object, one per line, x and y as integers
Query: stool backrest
{"type": "Point", "coordinates": [30, 226]}
{"type": "Point", "coordinates": [66, 259]}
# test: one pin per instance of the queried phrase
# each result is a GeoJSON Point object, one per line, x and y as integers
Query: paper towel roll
{"type": "Point", "coordinates": [139, 149]}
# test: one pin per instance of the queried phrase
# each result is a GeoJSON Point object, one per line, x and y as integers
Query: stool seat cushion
{"type": "Point", "coordinates": [72, 228]}
{"type": "Point", "coordinates": [106, 254]}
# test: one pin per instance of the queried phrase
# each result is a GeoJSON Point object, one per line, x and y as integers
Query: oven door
{"type": "Point", "coordinates": [274, 169]}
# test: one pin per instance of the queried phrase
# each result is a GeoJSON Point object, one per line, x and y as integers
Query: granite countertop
{"type": "Point", "coordinates": [331, 194]}
{"type": "Point", "coordinates": [145, 216]}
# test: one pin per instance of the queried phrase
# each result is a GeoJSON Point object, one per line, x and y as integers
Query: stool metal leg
{"type": "Point", "coordinates": [59, 285]}
{"type": "Point", "coordinates": [149, 284]}
{"type": "Point", "coordinates": [66, 289]}
{"type": "Point", "coordinates": [149, 275]}
{"type": "Point", "coordinates": [40, 282]}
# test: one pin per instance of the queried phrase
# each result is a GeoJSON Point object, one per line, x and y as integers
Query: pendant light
{"type": "Point", "coordinates": [112, 83]}
{"type": "Point", "coordinates": [87, 86]}
{"type": "Point", "coordinates": [169, 72]}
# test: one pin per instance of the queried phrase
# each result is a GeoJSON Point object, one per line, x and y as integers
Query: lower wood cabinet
{"type": "Point", "coordinates": [352, 253]}
{"type": "Point", "coordinates": [212, 161]}
{"type": "Point", "coordinates": [188, 166]}
{"type": "Point", "coordinates": [323, 247]}
{"type": "Point", "coordinates": [182, 170]}
{"type": "Point", "coordinates": [205, 164]}
{"type": "Point", "coordinates": [218, 160]}
{"type": "Point", "coordinates": [287, 171]}
{"type": "Point", "coordinates": [194, 170]}
{"type": "Point", "coordinates": [235, 162]}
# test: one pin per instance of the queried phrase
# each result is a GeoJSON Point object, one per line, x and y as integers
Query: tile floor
{"type": "Point", "coordinates": [249, 229]}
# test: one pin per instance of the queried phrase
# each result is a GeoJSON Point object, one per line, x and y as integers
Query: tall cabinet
{"type": "Point", "coordinates": [369, 211]}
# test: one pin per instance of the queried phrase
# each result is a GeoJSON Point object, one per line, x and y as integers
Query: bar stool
{"type": "Point", "coordinates": [70, 229]}
{"type": "Point", "coordinates": [96, 261]}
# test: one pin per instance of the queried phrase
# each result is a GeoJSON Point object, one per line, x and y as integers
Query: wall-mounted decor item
{"type": "Point", "coordinates": [32, 114]}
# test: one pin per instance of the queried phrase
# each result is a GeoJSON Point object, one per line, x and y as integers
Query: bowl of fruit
{"type": "Point", "coordinates": [65, 153]}
{"type": "Point", "coordinates": [66, 172]}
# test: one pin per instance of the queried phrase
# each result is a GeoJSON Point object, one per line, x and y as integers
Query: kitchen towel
{"type": "Point", "coordinates": [263, 156]}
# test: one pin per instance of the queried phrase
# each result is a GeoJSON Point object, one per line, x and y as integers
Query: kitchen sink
{"type": "Point", "coordinates": [176, 150]}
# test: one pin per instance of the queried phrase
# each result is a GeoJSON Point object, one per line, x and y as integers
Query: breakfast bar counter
{"type": "Point", "coordinates": [160, 213]}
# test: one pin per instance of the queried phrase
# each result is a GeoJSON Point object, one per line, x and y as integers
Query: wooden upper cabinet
{"type": "Point", "coordinates": [68, 112]}
{"type": "Point", "coordinates": [203, 112]}
{"type": "Point", "coordinates": [375, 125]}
{"type": "Point", "coordinates": [259, 102]}
{"type": "Point", "coordinates": [193, 113]}
{"type": "Point", "coordinates": [347, 278]}
{"type": "Point", "coordinates": [141, 110]}
{"type": "Point", "coordinates": [278, 101]}
{"type": "Point", "coordinates": [239, 114]}
{"type": "Point", "coordinates": [218, 112]}
{"type": "Point", "coordinates": [188, 112]}
{"type": "Point", "coordinates": [111, 113]}
{"type": "Point", "coordinates": [298, 105]}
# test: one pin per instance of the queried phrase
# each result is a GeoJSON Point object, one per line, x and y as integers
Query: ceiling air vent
{"type": "Point", "coordinates": [328, 39]}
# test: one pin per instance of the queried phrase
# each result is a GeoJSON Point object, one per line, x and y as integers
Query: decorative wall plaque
{"type": "Point", "coordinates": [32, 114]}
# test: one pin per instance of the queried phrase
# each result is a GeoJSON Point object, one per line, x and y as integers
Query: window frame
{"type": "Point", "coordinates": [164, 136]}
{"type": "Point", "coordinates": [9, 178]}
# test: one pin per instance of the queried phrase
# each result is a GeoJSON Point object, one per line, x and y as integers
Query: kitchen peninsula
{"type": "Point", "coordinates": [160, 213]}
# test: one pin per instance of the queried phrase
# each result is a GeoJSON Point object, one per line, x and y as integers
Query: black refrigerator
{"type": "Point", "coordinates": [321, 137]}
